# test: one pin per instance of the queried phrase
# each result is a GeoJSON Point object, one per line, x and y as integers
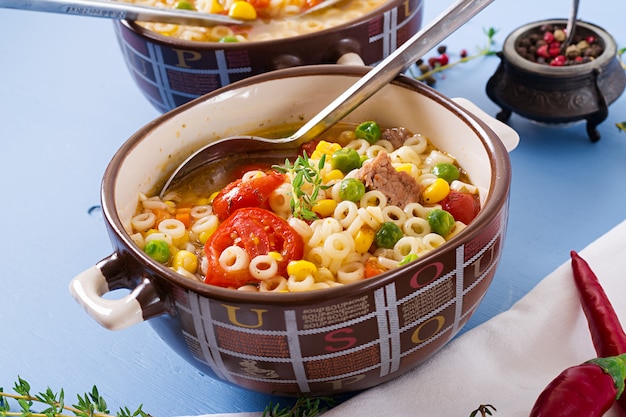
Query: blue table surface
{"type": "Point", "coordinates": [68, 103]}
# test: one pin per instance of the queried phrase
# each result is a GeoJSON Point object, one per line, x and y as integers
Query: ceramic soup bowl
{"type": "Point", "coordinates": [322, 342]}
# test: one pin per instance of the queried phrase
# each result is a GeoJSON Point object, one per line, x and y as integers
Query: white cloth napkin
{"type": "Point", "coordinates": [508, 360]}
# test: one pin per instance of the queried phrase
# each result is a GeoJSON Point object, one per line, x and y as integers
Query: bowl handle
{"type": "Point", "coordinates": [508, 136]}
{"type": "Point", "coordinates": [89, 286]}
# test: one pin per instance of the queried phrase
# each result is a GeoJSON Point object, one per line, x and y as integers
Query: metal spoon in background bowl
{"type": "Point", "coordinates": [570, 28]}
{"type": "Point", "coordinates": [379, 76]}
{"type": "Point", "coordinates": [119, 11]}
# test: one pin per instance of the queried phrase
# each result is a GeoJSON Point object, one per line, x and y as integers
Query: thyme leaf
{"type": "Point", "coordinates": [303, 407]}
{"type": "Point", "coordinates": [306, 184]}
{"type": "Point", "coordinates": [90, 404]}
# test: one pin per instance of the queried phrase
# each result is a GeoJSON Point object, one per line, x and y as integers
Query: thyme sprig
{"type": "Point", "coordinates": [306, 184]}
{"type": "Point", "coordinates": [484, 410]}
{"type": "Point", "coordinates": [91, 404]}
{"type": "Point", "coordinates": [303, 407]}
{"type": "Point", "coordinates": [486, 50]}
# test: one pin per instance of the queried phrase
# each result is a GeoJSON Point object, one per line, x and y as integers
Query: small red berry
{"type": "Point", "coordinates": [463, 53]}
{"type": "Point", "coordinates": [443, 59]}
{"type": "Point", "coordinates": [590, 39]}
{"type": "Point", "coordinates": [553, 51]}
{"type": "Point", "coordinates": [433, 62]}
{"type": "Point", "coordinates": [558, 61]}
{"type": "Point", "coordinates": [548, 37]}
{"type": "Point", "coordinates": [542, 51]}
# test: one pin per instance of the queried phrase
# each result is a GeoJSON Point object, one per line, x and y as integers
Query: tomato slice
{"type": "Point", "coordinates": [251, 193]}
{"type": "Point", "coordinates": [462, 206]}
{"type": "Point", "coordinates": [258, 232]}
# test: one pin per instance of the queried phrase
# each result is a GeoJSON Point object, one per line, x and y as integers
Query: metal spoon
{"type": "Point", "coordinates": [570, 28]}
{"type": "Point", "coordinates": [115, 10]}
{"type": "Point", "coordinates": [379, 76]}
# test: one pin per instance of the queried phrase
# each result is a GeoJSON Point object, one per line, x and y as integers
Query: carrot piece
{"type": "Point", "coordinates": [184, 215]}
{"type": "Point", "coordinates": [160, 215]}
{"type": "Point", "coordinates": [372, 268]}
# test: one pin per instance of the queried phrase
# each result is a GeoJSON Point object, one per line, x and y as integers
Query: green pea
{"type": "Point", "coordinates": [184, 5]}
{"type": "Point", "coordinates": [351, 189]}
{"type": "Point", "coordinates": [370, 131]}
{"type": "Point", "coordinates": [158, 250]}
{"type": "Point", "coordinates": [387, 235]}
{"type": "Point", "coordinates": [228, 39]}
{"type": "Point", "coordinates": [440, 221]}
{"type": "Point", "coordinates": [446, 171]}
{"type": "Point", "coordinates": [408, 259]}
{"type": "Point", "coordinates": [345, 160]}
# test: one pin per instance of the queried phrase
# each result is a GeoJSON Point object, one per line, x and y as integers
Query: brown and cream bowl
{"type": "Point", "coordinates": [173, 68]}
{"type": "Point", "coordinates": [323, 342]}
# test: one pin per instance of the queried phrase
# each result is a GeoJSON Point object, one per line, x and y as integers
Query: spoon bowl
{"type": "Point", "coordinates": [403, 57]}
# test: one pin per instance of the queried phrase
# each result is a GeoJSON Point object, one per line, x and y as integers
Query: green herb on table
{"type": "Point", "coordinates": [306, 184]}
{"type": "Point", "coordinates": [484, 410]}
{"type": "Point", "coordinates": [442, 62]}
{"type": "Point", "coordinates": [303, 407]}
{"type": "Point", "coordinates": [89, 405]}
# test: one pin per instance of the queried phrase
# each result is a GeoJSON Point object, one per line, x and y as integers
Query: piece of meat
{"type": "Point", "coordinates": [397, 136]}
{"type": "Point", "coordinates": [400, 188]}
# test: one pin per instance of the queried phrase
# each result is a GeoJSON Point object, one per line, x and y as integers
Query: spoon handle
{"type": "Point", "coordinates": [571, 25]}
{"type": "Point", "coordinates": [115, 10]}
{"type": "Point", "coordinates": [383, 73]}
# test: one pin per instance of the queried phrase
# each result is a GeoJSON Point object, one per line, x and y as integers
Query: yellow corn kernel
{"type": "Point", "coordinates": [301, 269]}
{"type": "Point", "coordinates": [408, 168]}
{"type": "Point", "coordinates": [181, 241]}
{"type": "Point", "coordinates": [364, 239]}
{"type": "Point", "coordinates": [212, 196]}
{"type": "Point", "coordinates": [332, 175]}
{"type": "Point", "coordinates": [436, 191]}
{"type": "Point", "coordinates": [276, 256]}
{"type": "Point", "coordinates": [325, 207]}
{"type": "Point", "coordinates": [325, 148]}
{"type": "Point", "coordinates": [242, 10]}
{"type": "Point", "coordinates": [216, 7]}
{"type": "Point", "coordinates": [205, 235]}
{"type": "Point", "coordinates": [204, 201]}
{"type": "Point", "coordinates": [185, 260]}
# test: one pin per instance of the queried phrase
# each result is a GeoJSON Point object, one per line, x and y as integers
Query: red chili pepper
{"type": "Point", "coordinates": [588, 389]}
{"type": "Point", "coordinates": [607, 334]}
{"type": "Point", "coordinates": [606, 330]}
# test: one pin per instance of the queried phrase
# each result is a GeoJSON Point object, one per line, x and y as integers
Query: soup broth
{"type": "Point", "coordinates": [273, 19]}
{"type": "Point", "coordinates": [359, 202]}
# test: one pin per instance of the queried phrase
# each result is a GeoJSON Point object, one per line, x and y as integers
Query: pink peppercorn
{"type": "Point", "coordinates": [542, 51]}
{"type": "Point", "coordinates": [443, 59]}
{"type": "Point", "coordinates": [558, 61]}
{"type": "Point", "coordinates": [548, 37]}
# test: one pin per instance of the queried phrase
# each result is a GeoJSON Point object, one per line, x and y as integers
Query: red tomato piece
{"type": "Point", "coordinates": [309, 147]}
{"type": "Point", "coordinates": [251, 193]}
{"type": "Point", "coordinates": [462, 206]}
{"type": "Point", "coordinates": [258, 232]}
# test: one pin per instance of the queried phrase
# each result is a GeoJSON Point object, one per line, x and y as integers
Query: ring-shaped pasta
{"type": "Point", "coordinates": [351, 272]}
{"type": "Point", "coordinates": [416, 227]}
{"type": "Point", "coordinates": [143, 221]}
{"type": "Point", "coordinates": [374, 150]}
{"type": "Point", "coordinates": [154, 203]}
{"type": "Point", "coordinates": [407, 245]}
{"type": "Point", "coordinates": [394, 214]}
{"type": "Point", "coordinates": [275, 284]}
{"type": "Point", "coordinates": [415, 210]}
{"type": "Point", "coordinates": [234, 258]}
{"type": "Point", "coordinates": [373, 198]}
{"type": "Point", "coordinates": [359, 145]}
{"type": "Point", "coordinates": [433, 241]}
{"type": "Point", "coordinates": [205, 223]}
{"type": "Point", "coordinates": [301, 227]}
{"type": "Point", "coordinates": [346, 211]}
{"type": "Point", "coordinates": [173, 227]}
{"type": "Point", "coordinates": [198, 212]}
{"type": "Point", "coordinates": [318, 256]}
{"type": "Point", "coordinates": [263, 267]}
{"type": "Point", "coordinates": [280, 200]}
{"type": "Point", "coordinates": [405, 154]}
{"type": "Point", "coordinates": [339, 245]}
{"type": "Point", "coordinates": [296, 284]}
{"type": "Point", "coordinates": [417, 142]}
{"type": "Point", "coordinates": [370, 218]}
